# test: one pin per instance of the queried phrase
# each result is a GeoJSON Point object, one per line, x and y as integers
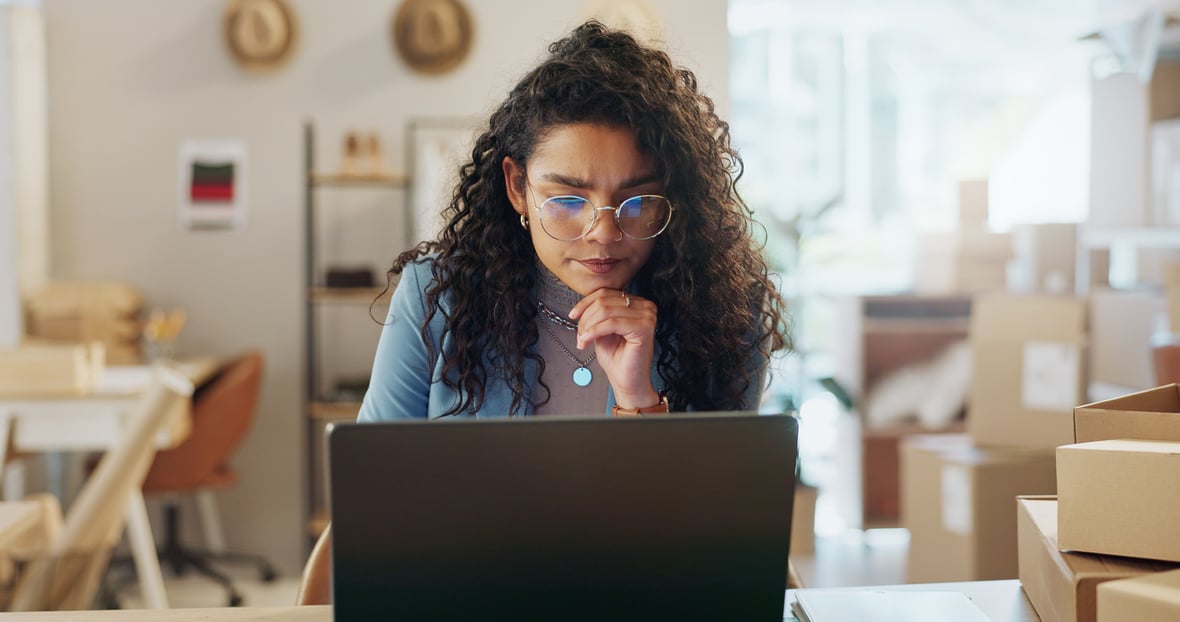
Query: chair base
{"type": "Point", "coordinates": [180, 559]}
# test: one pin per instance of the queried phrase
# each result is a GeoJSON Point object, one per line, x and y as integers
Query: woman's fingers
{"type": "Point", "coordinates": [611, 312]}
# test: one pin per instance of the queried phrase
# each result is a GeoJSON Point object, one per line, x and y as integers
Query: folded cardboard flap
{"type": "Point", "coordinates": [1148, 598]}
{"type": "Point", "coordinates": [1153, 414]}
{"type": "Point", "coordinates": [1118, 497]}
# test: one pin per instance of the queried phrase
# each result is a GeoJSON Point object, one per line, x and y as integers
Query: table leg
{"type": "Point", "coordinates": [14, 480]}
{"type": "Point", "coordinates": [143, 549]}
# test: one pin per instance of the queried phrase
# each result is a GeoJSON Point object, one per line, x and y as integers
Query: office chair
{"type": "Point", "coordinates": [223, 409]}
{"type": "Point", "coordinates": [316, 586]}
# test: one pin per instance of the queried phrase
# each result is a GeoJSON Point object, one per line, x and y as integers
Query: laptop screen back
{"type": "Point", "coordinates": [563, 519]}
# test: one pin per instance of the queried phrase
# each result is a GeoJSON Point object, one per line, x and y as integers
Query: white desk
{"type": "Point", "coordinates": [95, 422]}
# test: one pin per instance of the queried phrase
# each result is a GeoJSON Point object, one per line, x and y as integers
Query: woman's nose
{"type": "Point", "coordinates": [605, 229]}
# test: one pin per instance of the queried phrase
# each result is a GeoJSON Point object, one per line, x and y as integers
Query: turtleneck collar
{"type": "Point", "coordinates": [553, 292]}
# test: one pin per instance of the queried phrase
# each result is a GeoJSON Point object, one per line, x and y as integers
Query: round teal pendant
{"type": "Point", "coordinates": [582, 376]}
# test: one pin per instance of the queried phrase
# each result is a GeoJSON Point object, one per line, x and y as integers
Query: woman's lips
{"type": "Point", "coordinates": [599, 266]}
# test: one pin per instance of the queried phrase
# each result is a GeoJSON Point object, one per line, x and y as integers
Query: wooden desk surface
{"type": "Point", "coordinates": [1001, 601]}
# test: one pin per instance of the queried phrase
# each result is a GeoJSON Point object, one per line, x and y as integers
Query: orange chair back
{"type": "Point", "coordinates": [223, 410]}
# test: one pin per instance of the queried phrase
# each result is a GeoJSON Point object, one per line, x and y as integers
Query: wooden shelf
{"type": "Point", "coordinates": [349, 295]}
{"type": "Point", "coordinates": [916, 325]}
{"type": "Point", "coordinates": [334, 411]}
{"type": "Point", "coordinates": [338, 180]}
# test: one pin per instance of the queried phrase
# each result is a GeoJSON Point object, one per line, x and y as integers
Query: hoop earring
{"type": "Point", "coordinates": [524, 222]}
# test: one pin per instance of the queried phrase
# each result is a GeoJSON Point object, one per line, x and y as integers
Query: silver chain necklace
{"type": "Point", "coordinates": [582, 376]}
{"type": "Point", "coordinates": [555, 317]}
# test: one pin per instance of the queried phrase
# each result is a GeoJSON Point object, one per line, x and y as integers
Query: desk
{"type": "Point", "coordinates": [315, 613]}
{"type": "Point", "coordinates": [95, 422]}
{"type": "Point", "coordinates": [1002, 601]}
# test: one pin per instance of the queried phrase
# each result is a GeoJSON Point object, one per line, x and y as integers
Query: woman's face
{"type": "Point", "coordinates": [600, 163]}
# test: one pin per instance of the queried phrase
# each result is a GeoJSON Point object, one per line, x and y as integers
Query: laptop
{"type": "Point", "coordinates": [684, 517]}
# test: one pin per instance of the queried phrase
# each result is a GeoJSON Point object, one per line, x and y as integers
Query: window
{"type": "Point", "coordinates": [879, 109]}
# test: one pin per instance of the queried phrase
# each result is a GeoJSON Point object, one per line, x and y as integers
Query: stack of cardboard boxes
{"type": "Point", "coordinates": [959, 492]}
{"type": "Point", "coordinates": [1114, 518]}
{"type": "Point", "coordinates": [105, 313]}
{"type": "Point", "coordinates": [968, 260]}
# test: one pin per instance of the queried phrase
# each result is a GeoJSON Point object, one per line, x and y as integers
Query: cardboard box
{"type": "Point", "coordinates": [1149, 598]}
{"type": "Point", "coordinates": [1165, 358]}
{"type": "Point", "coordinates": [1044, 258]}
{"type": "Point", "coordinates": [959, 503]}
{"type": "Point", "coordinates": [49, 370]}
{"type": "Point", "coordinates": [1171, 277]}
{"type": "Point", "coordinates": [1119, 497]}
{"type": "Point", "coordinates": [1121, 328]}
{"type": "Point", "coordinates": [958, 262]}
{"type": "Point", "coordinates": [1142, 266]}
{"type": "Point", "coordinates": [803, 519]}
{"type": "Point", "coordinates": [1099, 267]}
{"type": "Point", "coordinates": [973, 205]}
{"type": "Point", "coordinates": [1029, 369]}
{"type": "Point", "coordinates": [1152, 415]}
{"type": "Point", "coordinates": [880, 470]}
{"type": "Point", "coordinates": [1062, 585]}
{"type": "Point", "coordinates": [1164, 90]}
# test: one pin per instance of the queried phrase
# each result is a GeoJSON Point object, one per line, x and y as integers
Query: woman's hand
{"type": "Point", "coordinates": [622, 328]}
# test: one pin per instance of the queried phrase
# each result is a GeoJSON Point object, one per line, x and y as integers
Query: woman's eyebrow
{"type": "Point", "coordinates": [565, 180]}
{"type": "Point", "coordinates": [582, 184]}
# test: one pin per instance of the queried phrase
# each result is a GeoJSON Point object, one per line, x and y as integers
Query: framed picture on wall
{"type": "Point", "coordinates": [212, 184]}
{"type": "Point", "coordinates": [437, 147]}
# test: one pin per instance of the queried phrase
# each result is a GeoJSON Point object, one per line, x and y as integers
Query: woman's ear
{"type": "Point", "coordinates": [515, 184]}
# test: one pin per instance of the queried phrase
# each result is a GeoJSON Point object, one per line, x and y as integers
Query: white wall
{"type": "Point", "coordinates": [130, 79]}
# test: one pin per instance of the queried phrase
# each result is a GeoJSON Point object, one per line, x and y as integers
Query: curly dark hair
{"type": "Point", "coordinates": [706, 273]}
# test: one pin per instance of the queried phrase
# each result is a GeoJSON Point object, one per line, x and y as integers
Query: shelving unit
{"type": "Point", "coordinates": [322, 409]}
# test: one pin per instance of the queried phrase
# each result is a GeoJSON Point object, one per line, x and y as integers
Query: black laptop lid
{"type": "Point", "coordinates": [678, 517]}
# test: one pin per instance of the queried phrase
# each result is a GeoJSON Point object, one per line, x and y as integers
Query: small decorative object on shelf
{"type": "Point", "coordinates": [351, 164]}
{"type": "Point", "coordinates": [432, 36]}
{"type": "Point", "coordinates": [340, 276]}
{"type": "Point", "coordinates": [260, 34]}
{"type": "Point", "coordinates": [350, 389]}
{"type": "Point", "coordinates": [375, 157]}
{"type": "Point", "coordinates": [363, 158]}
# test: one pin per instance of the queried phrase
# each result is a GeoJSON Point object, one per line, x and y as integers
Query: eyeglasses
{"type": "Point", "coordinates": [568, 217]}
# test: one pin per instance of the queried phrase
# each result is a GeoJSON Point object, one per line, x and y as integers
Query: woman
{"type": "Point", "coordinates": [596, 256]}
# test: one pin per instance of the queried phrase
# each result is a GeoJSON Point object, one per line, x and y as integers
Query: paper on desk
{"type": "Point", "coordinates": [124, 379]}
{"type": "Point", "coordinates": [813, 605]}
